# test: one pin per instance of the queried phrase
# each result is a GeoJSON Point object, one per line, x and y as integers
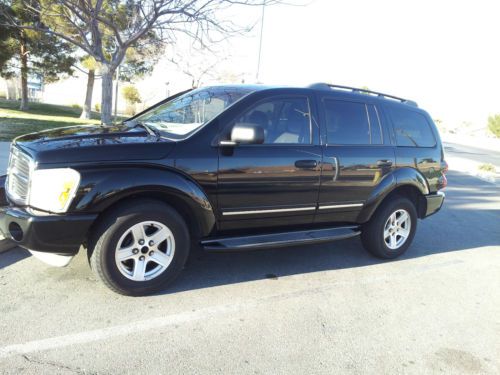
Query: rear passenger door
{"type": "Point", "coordinates": [357, 155]}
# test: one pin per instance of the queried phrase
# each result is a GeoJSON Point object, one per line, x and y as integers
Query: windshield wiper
{"type": "Point", "coordinates": [150, 129]}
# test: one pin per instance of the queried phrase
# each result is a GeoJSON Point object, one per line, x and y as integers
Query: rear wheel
{"type": "Point", "coordinates": [391, 229]}
{"type": "Point", "coordinates": [139, 248]}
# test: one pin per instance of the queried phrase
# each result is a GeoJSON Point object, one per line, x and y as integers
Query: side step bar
{"type": "Point", "coordinates": [252, 242]}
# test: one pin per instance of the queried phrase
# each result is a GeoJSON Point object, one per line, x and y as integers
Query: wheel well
{"type": "Point", "coordinates": [413, 194]}
{"type": "Point", "coordinates": [177, 204]}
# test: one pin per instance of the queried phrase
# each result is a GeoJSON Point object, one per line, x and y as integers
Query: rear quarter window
{"type": "Point", "coordinates": [411, 128]}
{"type": "Point", "coordinates": [351, 123]}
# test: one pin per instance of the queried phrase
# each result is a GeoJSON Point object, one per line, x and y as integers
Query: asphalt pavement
{"type": "Point", "coordinates": [323, 309]}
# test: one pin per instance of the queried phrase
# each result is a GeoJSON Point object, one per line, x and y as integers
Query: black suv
{"type": "Point", "coordinates": [227, 168]}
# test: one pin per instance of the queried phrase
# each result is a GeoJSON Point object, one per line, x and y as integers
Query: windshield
{"type": "Point", "coordinates": [182, 116]}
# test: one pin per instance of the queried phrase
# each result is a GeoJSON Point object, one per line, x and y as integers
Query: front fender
{"type": "Point", "coordinates": [100, 188]}
{"type": "Point", "coordinates": [397, 178]}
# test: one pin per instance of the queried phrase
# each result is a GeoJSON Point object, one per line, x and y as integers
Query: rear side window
{"type": "Point", "coordinates": [411, 128]}
{"type": "Point", "coordinates": [351, 123]}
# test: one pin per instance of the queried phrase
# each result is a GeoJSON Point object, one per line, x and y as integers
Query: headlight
{"type": "Point", "coordinates": [53, 189]}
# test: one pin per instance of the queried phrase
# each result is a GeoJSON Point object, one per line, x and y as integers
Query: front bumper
{"type": "Point", "coordinates": [434, 202]}
{"type": "Point", "coordinates": [3, 196]}
{"type": "Point", "coordinates": [57, 234]}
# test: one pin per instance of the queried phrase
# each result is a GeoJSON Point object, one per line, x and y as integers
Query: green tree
{"type": "Point", "coordinates": [131, 94]}
{"type": "Point", "coordinates": [132, 97]}
{"type": "Point", "coordinates": [7, 43]}
{"type": "Point", "coordinates": [494, 124]}
{"type": "Point", "coordinates": [28, 50]}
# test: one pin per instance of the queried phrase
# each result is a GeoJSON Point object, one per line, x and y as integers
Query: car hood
{"type": "Point", "coordinates": [88, 143]}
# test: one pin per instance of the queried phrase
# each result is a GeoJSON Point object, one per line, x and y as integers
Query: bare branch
{"type": "Point", "coordinates": [106, 30]}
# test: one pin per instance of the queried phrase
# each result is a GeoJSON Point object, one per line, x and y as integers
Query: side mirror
{"type": "Point", "coordinates": [246, 133]}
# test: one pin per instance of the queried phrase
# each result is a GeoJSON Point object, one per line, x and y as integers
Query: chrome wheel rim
{"type": "Point", "coordinates": [145, 251]}
{"type": "Point", "coordinates": [397, 229]}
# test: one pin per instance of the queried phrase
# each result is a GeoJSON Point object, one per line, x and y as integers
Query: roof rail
{"type": "Point", "coordinates": [328, 86]}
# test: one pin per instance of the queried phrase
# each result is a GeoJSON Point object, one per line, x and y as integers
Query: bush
{"type": "Point", "coordinates": [76, 106]}
{"type": "Point", "coordinates": [494, 124]}
{"type": "Point", "coordinates": [97, 107]}
{"type": "Point", "coordinates": [487, 167]}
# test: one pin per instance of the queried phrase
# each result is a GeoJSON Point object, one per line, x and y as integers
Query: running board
{"type": "Point", "coordinates": [279, 239]}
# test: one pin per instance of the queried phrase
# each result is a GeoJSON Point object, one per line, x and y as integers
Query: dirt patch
{"type": "Point", "coordinates": [458, 361]}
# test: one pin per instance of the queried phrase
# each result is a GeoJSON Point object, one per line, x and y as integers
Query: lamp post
{"type": "Point", "coordinates": [260, 42]}
{"type": "Point", "coordinates": [166, 87]}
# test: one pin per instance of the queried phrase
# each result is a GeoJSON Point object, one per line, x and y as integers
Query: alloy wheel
{"type": "Point", "coordinates": [397, 229]}
{"type": "Point", "coordinates": [145, 251]}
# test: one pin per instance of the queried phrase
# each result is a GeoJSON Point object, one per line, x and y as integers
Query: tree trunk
{"type": "Point", "coordinates": [24, 75]}
{"type": "Point", "coordinates": [107, 94]}
{"type": "Point", "coordinates": [87, 106]}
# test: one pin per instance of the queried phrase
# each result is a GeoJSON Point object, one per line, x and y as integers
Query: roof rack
{"type": "Point", "coordinates": [328, 86]}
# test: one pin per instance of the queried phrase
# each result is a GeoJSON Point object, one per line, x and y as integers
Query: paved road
{"type": "Point", "coordinates": [472, 153]}
{"type": "Point", "coordinates": [327, 309]}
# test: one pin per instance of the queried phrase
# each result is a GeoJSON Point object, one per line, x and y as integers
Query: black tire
{"type": "Point", "coordinates": [108, 232]}
{"type": "Point", "coordinates": [372, 233]}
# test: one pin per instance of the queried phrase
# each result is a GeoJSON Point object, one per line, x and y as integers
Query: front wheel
{"type": "Point", "coordinates": [140, 247]}
{"type": "Point", "coordinates": [390, 231]}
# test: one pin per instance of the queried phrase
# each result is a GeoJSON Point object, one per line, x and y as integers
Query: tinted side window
{"type": "Point", "coordinates": [346, 123]}
{"type": "Point", "coordinates": [284, 120]}
{"type": "Point", "coordinates": [411, 128]}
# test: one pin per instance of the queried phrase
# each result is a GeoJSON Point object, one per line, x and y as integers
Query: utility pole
{"type": "Point", "coordinates": [260, 42]}
{"type": "Point", "coordinates": [116, 91]}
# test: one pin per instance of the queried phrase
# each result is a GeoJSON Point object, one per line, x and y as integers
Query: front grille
{"type": "Point", "coordinates": [18, 176]}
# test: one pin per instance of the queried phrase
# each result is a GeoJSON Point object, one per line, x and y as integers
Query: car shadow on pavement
{"type": "Point", "coordinates": [12, 256]}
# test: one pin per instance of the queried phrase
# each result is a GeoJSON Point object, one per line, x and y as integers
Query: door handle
{"type": "Point", "coordinates": [384, 163]}
{"type": "Point", "coordinates": [306, 164]}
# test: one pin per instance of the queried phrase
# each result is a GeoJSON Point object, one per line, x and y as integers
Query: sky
{"type": "Point", "coordinates": [445, 55]}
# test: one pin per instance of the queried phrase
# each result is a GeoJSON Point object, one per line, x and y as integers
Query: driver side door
{"type": "Point", "coordinates": [274, 183]}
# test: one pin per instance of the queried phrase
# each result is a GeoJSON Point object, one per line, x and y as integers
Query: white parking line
{"type": "Point", "coordinates": [121, 330]}
{"type": "Point", "coordinates": [205, 313]}
{"type": "Point", "coordinates": [155, 323]}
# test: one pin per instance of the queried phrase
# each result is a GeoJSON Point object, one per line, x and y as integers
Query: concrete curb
{"type": "Point", "coordinates": [471, 168]}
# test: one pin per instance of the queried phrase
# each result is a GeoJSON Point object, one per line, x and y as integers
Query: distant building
{"type": "Point", "coordinates": [35, 88]}
{"type": "Point", "coordinates": [11, 88]}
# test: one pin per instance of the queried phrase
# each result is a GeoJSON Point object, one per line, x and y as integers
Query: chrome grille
{"type": "Point", "coordinates": [18, 176]}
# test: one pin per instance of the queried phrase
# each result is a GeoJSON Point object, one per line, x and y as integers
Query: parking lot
{"type": "Point", "coordinates": [328, 308]}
